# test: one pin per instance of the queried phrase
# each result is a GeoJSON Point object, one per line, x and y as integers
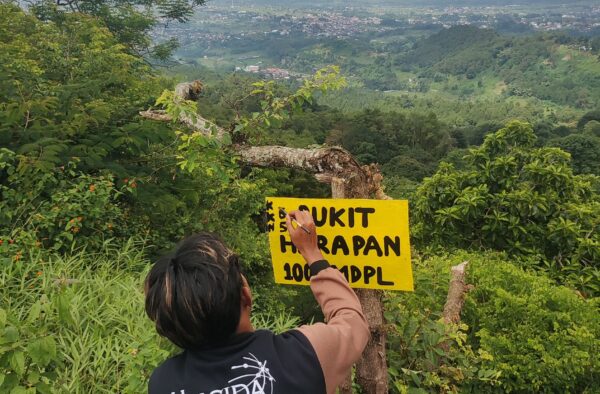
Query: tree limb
{"type": "Point", "coordinates": [322, 162]}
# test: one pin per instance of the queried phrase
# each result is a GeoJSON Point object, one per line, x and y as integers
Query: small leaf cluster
{"type": "Point", "coordinates": [26, 352]}
{"type": "Point", "coordinates": [275, 110]}
{"type": "Point", "coordinates": [130, 21]}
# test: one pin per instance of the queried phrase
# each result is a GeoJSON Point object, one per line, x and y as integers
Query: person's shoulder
{"type": "Point", "coordinates": [165, 371]}
{"type": "Point", "coordinates": [293, 336]}
{"type": "Point", "coordinates": [297, 356]}
{"type": "Point", "coordinates": [285, 343]}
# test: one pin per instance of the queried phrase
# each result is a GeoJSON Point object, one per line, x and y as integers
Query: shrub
{"type": "Point", "coordinates": [512, 196]}
{"type": "Point", "coordinates": [541, 337]}
{"type": "Point", "coordinates": [58, 210]}
{"type": "Point", "coordinates": [424, 354]}
{"type": "Point", "coordinates": [519, 332]}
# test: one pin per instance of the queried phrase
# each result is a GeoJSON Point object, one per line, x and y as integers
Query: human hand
{"type": "Point", "coordinates": [305, 242]}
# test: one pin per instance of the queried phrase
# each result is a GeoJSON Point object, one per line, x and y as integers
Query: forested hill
{"type": "Point", "coordinates": [550, 67]}
{"type": "Point", "coordinates": [454, 43]}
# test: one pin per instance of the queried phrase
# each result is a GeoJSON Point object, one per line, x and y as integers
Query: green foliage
{"type": "Point", "coordinates": [81, 173]}
{"type": "Point", "coordinates": [70, 93]}
{"type": "Point", "coordinates": [130, 21]}
{"type": "Point", "coordinates": [534, 65]}
{"type": "Point", "coordinates": [512, 196]}
{"type": "Point", "coordinates": [541, 337]}
{"type": "Point", "coordinates": [26, 353]}
{"type": "Point", "coordinates": [455, 47]}
{"type": "Point", "coordinates": [70, 90]}
{"type": "Point", "coordinates": [520, 332]}
{"type": "Point", "coordinates": [75, 323]}
{"type": "Point", "coordinates": [78, 320]}
{"type": "Point", "coordinates": [584, 150]}
{"type": "Point", "coordinates": [275, 109]}
{"type": "Point", "coordinates": [60, 210]}
{"type": "Point", "coordinates": [424, 354]}
{"type": "Point", "coordinates": [587, 117]}
{"type": "Point", "coordinates": [406, 145]}
{"type": "Point", "coordinates": [176, 108]}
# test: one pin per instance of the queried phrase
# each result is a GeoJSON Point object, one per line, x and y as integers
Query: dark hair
{"type": "Point", "coordinates": [193, 295]}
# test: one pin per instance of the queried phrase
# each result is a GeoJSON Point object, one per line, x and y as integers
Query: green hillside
{"type": "Point", "coordinates": [556, 68]}
{"type": "Point", "coordinates": [464, 43]}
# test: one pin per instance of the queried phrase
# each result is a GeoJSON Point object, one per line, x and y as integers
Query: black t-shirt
{"type": "Point", "coordinates": [251, 363]}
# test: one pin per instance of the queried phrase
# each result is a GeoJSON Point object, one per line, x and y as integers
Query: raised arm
{"type": "Point", "coordinates": [339, 343]}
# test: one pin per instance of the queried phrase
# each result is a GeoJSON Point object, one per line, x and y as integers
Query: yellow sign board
{"type": "Point", "coordinates": [367, 240]}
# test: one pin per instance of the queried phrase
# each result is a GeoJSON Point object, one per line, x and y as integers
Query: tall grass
{"type": "Point", "coordinates": [91, 305]}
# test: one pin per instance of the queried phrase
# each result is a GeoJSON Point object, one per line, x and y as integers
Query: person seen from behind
{"type": "Point", "coordinates": [199, 300]}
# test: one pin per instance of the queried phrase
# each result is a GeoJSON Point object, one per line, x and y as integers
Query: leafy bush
{"type": "Point", "coordinates": [512, 196]}
{"type": "Point", "coordinates": [71, 93]}
{"type": "Point", "coordinates": [519, 332]}
{"type": "Point", "coordinates": [424, 354]}
{"type": "Point", "coordinates": [61, 210]}
{"type": "Point", "coordinates": [541, 337]}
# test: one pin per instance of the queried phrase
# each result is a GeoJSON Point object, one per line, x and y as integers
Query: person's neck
{"type": "Point", "coordinates": [245, 325]}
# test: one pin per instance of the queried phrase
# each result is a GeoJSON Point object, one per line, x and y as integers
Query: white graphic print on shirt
{"type": "Point", "coordinates": [257, 380]}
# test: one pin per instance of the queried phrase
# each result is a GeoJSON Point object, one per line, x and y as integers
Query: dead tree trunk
{"type": "Point", "coordinates": [348, 179]}
{"type": "Point", "coordinates": [456, 294]}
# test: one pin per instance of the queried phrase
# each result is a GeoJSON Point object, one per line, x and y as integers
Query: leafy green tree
{"type": "Point", "coordinates": [129, 20]}
{"type": "Point", "coordinates": [71, 91]}
{"type": "Point", "coordinates": [407, 167]}
{"type": "Point", "coordinates": [70, 94]}
{"type": "Point", "coordinates": [376, 136]}
{"type": "Point", "coordinates": [587, 117]}
{"type": "Point", "coordinates": [515, 197]}
{"type": "Point", "coordinates": [592, 128]}
{"type": "Point", "coordinates": [584, 150]}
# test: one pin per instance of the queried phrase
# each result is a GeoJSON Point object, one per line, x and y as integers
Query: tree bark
{"type": "Point", "coordinates": [348, 179]}
{"type": "Point", "coordinates": [371, 370]}
{"type": "Point", "coordinates": [456, 294]}
{"type": "Point", "coordinates": [337, 191]}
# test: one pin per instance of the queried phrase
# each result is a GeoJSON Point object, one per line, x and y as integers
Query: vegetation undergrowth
{"type": "Point", "coordinates": [76, 322]}
{"type": "Point", "coordinates": [520, 332]}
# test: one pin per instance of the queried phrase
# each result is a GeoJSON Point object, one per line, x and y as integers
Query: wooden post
{"type": "Point", "coordinates": [371, 369]}
{"type": "Point", "coordinates": [337, 191]}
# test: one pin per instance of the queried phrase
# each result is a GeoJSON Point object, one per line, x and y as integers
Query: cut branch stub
{"type": "Point", "coordinates": [188, 90]}
{"type": "Point", "coordinates": [456, 294]}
